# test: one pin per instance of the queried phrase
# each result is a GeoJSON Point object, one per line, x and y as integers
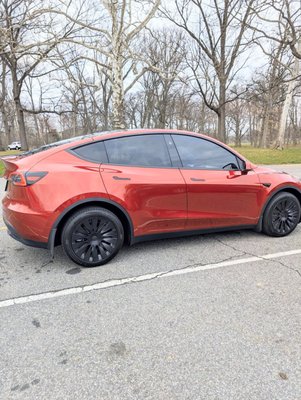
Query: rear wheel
{"type": "Point", "coordinates": [282, 215]}
{"type": "Point", "coordinates": [92, 236]}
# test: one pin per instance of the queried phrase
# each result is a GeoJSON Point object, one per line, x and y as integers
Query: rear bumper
{"type": "Point", "coordinates": [25, 222]}
{"type": "Point", "coordinates": [28, 226]}
{"type": "Point", "coordinates": [14, 234]}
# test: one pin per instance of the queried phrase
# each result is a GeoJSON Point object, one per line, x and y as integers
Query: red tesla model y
{"type": "Point", "coordinates": [93, 193]}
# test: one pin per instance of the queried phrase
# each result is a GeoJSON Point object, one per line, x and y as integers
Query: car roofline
{"type": "Point", "coordinates": [97, 136]}
{"type": "Point", "coordinates": [141, 131]}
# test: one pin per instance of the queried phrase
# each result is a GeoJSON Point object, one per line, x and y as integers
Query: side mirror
{"type": "Point", "coordinates": [247, 167]}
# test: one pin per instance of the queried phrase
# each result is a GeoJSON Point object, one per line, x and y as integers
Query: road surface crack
{"type": "Point", "coordinates": [247, 253]}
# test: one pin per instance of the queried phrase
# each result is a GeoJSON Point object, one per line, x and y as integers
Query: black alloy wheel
{"type": "Point", "coordinates": [282, 215]}
{"type": "Point", "coordinates": [92, 236]}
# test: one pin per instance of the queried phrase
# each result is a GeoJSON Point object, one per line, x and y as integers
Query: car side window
{"type": "Point", "coordinates": [94, 152]}
{"type": "Point", "coordinates": [140, 150]}
{"type": "Point", "coordinates": [199, 153]}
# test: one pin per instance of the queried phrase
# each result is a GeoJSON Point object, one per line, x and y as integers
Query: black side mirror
{"type": "Point", "coordinates": [246, 167]}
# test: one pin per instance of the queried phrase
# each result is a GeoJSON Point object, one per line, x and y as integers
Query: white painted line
{"type": "Point", "coordinates": [141, 278]}
{"type": "Point", "coordinates": [3, 228]}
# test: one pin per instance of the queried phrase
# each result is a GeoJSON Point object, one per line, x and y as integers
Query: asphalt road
{"type": "Point", "coordinates": [223, 323]}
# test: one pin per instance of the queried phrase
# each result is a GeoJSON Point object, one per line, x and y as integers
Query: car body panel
{"type": "Point", "coordinates": [222, 198]}
{"type": "Point", "coordinates": [276, 180]}
{"type": "Point", "coordinates": [33, 210]}
{"type": "Point", "coordinates": [156, 200]}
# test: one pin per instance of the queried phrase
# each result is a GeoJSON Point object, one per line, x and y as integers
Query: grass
{"type": "Point", "coordinates": [290, 155]}
{"type": "Point", "coordinates": [6, 153]}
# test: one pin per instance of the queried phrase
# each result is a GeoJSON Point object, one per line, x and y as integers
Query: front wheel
{"type": "Point", "coordinates": [92, 236]}
{"type": "Point", "coordinates": [282, 215]}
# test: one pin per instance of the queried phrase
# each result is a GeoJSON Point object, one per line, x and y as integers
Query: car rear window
{"type": "Point", "coordinates": [140, 150]}
{"type": "Point", "coordinates": [94, 152]}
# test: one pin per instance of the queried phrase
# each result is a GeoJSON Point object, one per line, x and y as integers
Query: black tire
{"type": "Point", "coordinates": [92, 236]}
{"type": "Point", "coordinates": [282, 215]}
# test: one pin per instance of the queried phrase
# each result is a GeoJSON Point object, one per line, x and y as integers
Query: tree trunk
{"type": "Point", "coordinates": [237, 132]}
{"type": "Point", "coordinates": [35, 119]}
{"type": "Point", "coordinates": [1, 142]}
{"type": "Point", "coordinates": [37, 128]}
{"type": "Point", "coordinates": [202, 118]}
{"type": "Point", "coordinates": [221, 127]}
{"type": "Point", "coordinates": [285, 109]}
{"type": "Point", "coordinates": [21, 124]}
{"type": "Point", "coordinates": [19, 109]}
{"type": "Point", "coordinates": [263, 141]}
{"type": "Point", "coordinates": [117, 95]}
{"type": "Point", "coordinates": [7, 127]}
{"type": "Point", "coordinates": [287, 103]}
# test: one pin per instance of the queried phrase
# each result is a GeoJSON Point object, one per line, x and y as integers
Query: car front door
{"type": "Point", "coordinates": [219, 193]}
{"type": "Point", "coordinates": [140, 177]}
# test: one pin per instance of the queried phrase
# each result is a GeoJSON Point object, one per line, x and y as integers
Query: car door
{"type": "Point", "coordinates": [140, 177]}
{"type": "Point", "coordinates": [219, 193]}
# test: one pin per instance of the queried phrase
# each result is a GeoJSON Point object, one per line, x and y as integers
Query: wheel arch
{"type": "Point", "coordinates": [289, 189]}
{"type": "Point", "coordinates": [119, 211]}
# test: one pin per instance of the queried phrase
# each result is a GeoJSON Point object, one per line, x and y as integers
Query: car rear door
{"type": "Point", "coordinates": [219, 193]}
{"type": "Point", "coordinates": [141, 178]}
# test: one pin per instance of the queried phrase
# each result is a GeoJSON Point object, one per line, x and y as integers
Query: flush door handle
{"type": "Point", "coordinates": [197, 179]}
{"type": "Point", "coordinates": [120, 178]}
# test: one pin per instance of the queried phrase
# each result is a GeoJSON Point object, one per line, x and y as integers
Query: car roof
{"type": "Point", "coordinates": [86, 139]}
{"type": "Point", "coordinates": [129, 132]}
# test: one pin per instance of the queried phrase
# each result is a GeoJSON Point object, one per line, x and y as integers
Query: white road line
{"type": "Point", "coordinates": [3, 228]}
{"type": "Point", "coordinates": [141, 278]}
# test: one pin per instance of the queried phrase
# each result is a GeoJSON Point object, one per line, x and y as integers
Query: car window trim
{"type": "Point", "coordinates": [73, 152]}
{"type": "Point", "coordinates": [168, 136]}
{"type": "Point", "coordinates": [211, 141]}
{"type": "Point", "coordinates": [138, 165]}
{"type": "Point", "coordinates": [164, 134]}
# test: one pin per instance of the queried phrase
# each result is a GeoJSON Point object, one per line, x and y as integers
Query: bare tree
{"type": "Point", "coordinates": [27, 39]}
{"type": "Point", "coordinates": [111, 33]}
{"type": "Point", "coordinates": [85, 93]}
{"type": "Point", "coordinates": [288, 99]}
{"type": "Point", "coordinates": [237, 118]}
{"type": "Point", "coordinates": [165, 52]}
{"type": "Point", "coordinates": [280, 23]}
{"type": "Point", "coordinates": [4, 104]}
{"type": "Point", "coordinates": [271, 93]}
{"type": "Point", "coordinates": [218, 34]}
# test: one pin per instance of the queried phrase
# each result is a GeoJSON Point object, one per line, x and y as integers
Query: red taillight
{"type": "Point", "coordinates": [18, 179]}
{"type": "Point", "coordinates": [27, 179]}
{"type": "Point", "coordinates": [33, 177]}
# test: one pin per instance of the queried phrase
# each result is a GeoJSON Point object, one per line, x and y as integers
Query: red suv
{"type": "Point", "coordinates": [93, 193]}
